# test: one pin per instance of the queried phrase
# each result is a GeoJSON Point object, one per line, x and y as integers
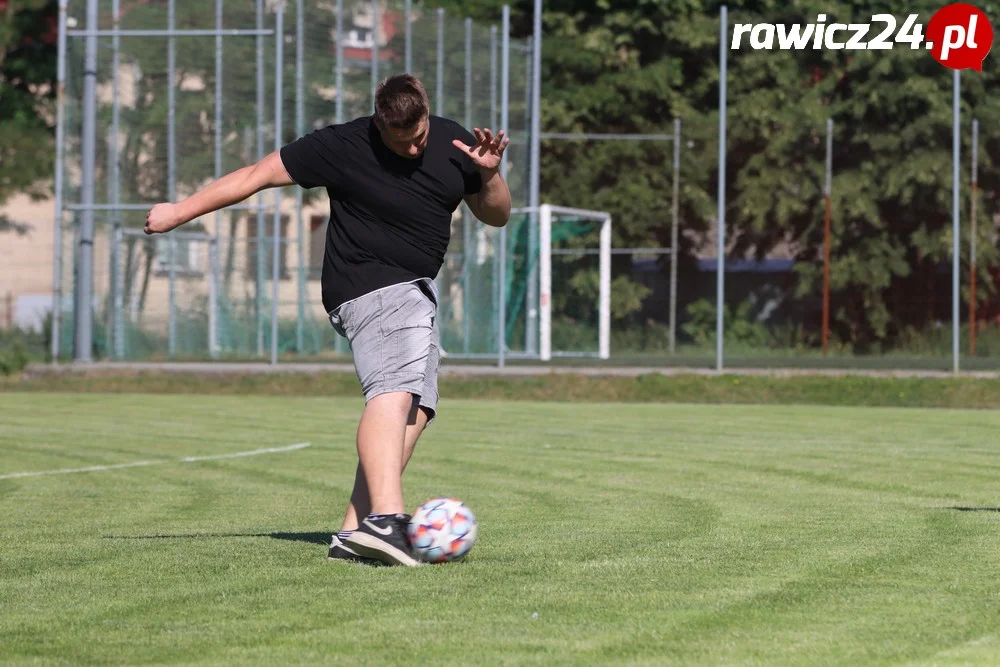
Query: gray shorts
{"type": "Point", "coordinates": [395, 340]}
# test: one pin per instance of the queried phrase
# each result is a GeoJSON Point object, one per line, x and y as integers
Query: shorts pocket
{"type": "Point", "coordinates": [407, 326]}
{"type": "Point", "coordinates": [408, 308]}
{"type": "Point", "coordinates": [407, 352]}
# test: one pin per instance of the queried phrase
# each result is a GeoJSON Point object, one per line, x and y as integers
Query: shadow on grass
{"type": "Point", "coordinates": [975, 509]}
{"type": "Point", "coordinates": [311, 538]}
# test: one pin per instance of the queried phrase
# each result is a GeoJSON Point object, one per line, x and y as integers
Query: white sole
{"type": "Point", "coordinates": [372, 547]}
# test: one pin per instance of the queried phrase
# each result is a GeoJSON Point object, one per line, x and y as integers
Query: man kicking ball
{"type": "Point", "coordinates": [394, 180]}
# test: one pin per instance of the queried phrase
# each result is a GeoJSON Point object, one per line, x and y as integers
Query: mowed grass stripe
{"type": "Point", "coordinates": [609, 534]}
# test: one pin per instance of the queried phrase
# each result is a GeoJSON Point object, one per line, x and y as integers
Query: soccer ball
{"type": "Point", "coordinates": [442, 530]}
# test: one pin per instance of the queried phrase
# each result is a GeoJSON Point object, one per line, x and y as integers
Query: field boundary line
{"type": "Point", "coordinates": [67, 471]}
{"type": "Point", "coordinates": [137, 464]}
{"type": "Point", "coordinates": [255, 452]}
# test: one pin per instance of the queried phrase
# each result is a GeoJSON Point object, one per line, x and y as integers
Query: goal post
{"type": "Point", "coordinates": [545, 214]}
{"type": "Point", "coordinates": [537, 289]}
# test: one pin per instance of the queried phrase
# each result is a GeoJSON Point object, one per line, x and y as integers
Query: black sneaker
{"type": "Point", "coordinates": [340, 551]}
{"type": "Point", "coordinates": [385, 540]}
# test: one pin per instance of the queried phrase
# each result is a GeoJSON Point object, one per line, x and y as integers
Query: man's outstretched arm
{"type": "Point", "coordinates": [228, 190]}
{"type": "Point", "coordinates": [492, 203]}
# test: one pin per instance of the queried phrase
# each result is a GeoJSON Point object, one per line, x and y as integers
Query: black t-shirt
{"type": "Point", "coordinates": [390, 217]}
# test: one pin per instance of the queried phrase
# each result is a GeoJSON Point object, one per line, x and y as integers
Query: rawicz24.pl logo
{"type": "Point", "coordinates": [959, 35]}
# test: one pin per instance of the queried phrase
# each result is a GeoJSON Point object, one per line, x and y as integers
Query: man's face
{"type": "Point", "coordinates": [406, 142]}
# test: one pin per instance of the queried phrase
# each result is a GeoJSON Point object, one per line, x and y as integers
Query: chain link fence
{"type": "Point", "coordinates": [160, 99]}
{"type": "Point", "coordinates": [837, 203]}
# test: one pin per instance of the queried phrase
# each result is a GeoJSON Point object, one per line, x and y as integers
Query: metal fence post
{"type": "Point", "coordinates": [114, 333]}
{"type": "Point", "coordinates": [300, 129]}
{"type": "Point", "coordinates": [504, 120]}
{"type": "Point", "coordinates": [279, 57]}
{"type": "Point", "coordinates": [439, 96]}
{"type": "Point", "coordinates": [57, 240]}
{"type": "Point", "coordinates": [535, 168]}
{"type": "Point", "coordinates": [213, 334]}
{"type": "Point", "coordinates": [83, 333]}
{"type": "Point", "coordinates": [374, 61]}
{"type": "Point", "coordinates": [973, 297]}
{"type": "Point", "coordinates": [720, 269]}
{"type": "Point", "coordinates": [259, 285]}
{"type": "Point", "coordinates": [481, 234]}
{"type": "Point", "coordinates": [531, 311]}
{"type": "Point", "coordinates": [172, 175]}
{"type": "Point", "coordinates": [408, 47]}
{"type": "Point", "coordinates": [339, 67]}
{"type": "Point", "coordinates": [956, 146]}
{"type": "Point", "coordinates": [674, 235]}
{"type": "Point", "coordinates": [467, 220]}
{"type": "Point", "coordinates": [213, 296]}
{"type": "Point", "coordinates": [528, 101]}
{"type": "Point", "coordinates": [827, 235]}
{"type": "Point", "coordinates": [493, 76]}
{"type": "Point", "coordinates": [109, 300]}
{"type": "Point", "coordinates": [119, 279]}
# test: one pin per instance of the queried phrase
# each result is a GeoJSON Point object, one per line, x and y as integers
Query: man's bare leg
{"type": "Point", "coordinates": [360, 504]}
{"type": "Point", "coordinates": [381, 439]}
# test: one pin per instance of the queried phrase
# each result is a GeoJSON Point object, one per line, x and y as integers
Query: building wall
{"type": "Point", "coordinates": [26, 263]}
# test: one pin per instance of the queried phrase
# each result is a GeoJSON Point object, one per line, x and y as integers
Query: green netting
{"type": "Point", "coordinates": [522, 263]}
{"type": "Point", "coordinates": [575, 286]}
{"type": "Point", "coordinates": [470, 318]}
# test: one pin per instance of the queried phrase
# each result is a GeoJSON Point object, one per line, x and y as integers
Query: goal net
{"type": "Point", "coordinates": [539, 288]}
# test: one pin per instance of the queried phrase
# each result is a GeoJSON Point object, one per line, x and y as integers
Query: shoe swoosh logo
{"type": "Point", "coordinates": [381, 531]}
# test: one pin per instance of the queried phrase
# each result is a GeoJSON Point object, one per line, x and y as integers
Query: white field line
{"type": "Point", "coordinates": [66, 471]}
{"type": "Point", "coordinates": [256, 452]}
{"type": "Point", "coordinates": [187, 459]}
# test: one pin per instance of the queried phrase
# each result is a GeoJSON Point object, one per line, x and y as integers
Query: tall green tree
{"type": "Point", "coordinates": [635, 65]}
{"type": "Point", "coordinates": [27, 92]}
{"type": "Point", "coordinates": [892, 185]}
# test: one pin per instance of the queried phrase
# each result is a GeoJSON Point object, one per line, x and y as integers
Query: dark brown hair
{"type": "Point", "coordinates": [401, 101]}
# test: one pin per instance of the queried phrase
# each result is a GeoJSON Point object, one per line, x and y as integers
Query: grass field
{"type": "Point", "coordinates": [623, 534]}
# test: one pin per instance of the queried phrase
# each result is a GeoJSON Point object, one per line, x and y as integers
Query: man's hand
{"type": "Point", "coordinates": [488, 151]}
{"type": "Point", "coordinates": [162, 218]}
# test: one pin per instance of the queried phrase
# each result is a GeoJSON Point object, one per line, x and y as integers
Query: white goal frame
{"type": "Point", "coordinates": [545, 212]}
